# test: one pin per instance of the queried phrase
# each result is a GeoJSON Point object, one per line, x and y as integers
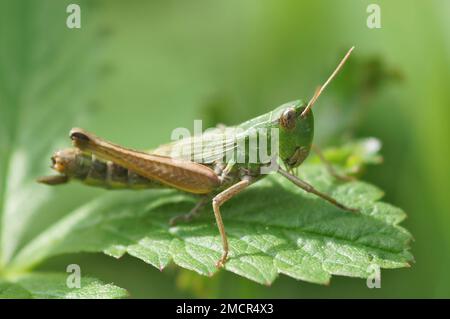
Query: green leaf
{"type": "Point", "coordinates": [273, 227]}
{"type": "Point", "coordinates": [53, 285]}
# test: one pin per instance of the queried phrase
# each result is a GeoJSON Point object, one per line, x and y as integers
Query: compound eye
{"type": "Point", "coordinates": [288, 119]}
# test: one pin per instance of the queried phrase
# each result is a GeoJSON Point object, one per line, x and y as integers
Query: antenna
{"type": "Point", "coordinates": [320, 89]}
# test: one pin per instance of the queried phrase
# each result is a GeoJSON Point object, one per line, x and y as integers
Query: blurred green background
{"type": "Point", "coordinates": [146, 67]}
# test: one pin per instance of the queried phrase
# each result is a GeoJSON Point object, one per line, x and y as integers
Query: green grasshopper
{"type": "Point", "coordinates": [97, 162]}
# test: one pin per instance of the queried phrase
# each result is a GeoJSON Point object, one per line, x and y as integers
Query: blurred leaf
{"type": "Point", "coordinates": [353, 156]}
{"type": "Point", "coordinates": [45, 82]}
{"type": "Point", "coordinates": [45, 85]}
{"type": "Point", "coordinates": [349, 100]}
{"type": "Point", "coordinates": [52, 285]}
{"type": "Point", "coordinates": [197, 285]}
{"type": "Point", "coordinates": [294, 233]}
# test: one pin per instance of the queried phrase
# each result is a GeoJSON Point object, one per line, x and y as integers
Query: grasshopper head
{"type": "Point", "coordinates": [295, 134]}
{"type": "Point", "coordinates": [296, 124]}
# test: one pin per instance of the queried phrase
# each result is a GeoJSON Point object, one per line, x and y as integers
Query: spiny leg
{"type": "Point", "coordinates": [217, 201]}
{"type": "Point", "coordinates": [310, 189]}
{"type": "Point", "coordinates": [330, 167]}
{"type": "Point", "coordinates": [192, 214]}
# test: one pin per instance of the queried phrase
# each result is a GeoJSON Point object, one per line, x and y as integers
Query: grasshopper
{"type": "Point", "coordinates": [98, 162]}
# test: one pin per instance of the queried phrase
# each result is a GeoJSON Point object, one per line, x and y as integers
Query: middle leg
{"type": "Point", "coordinates": [310, 189]}
{"type": "Point", "coordinates": [195, 211]}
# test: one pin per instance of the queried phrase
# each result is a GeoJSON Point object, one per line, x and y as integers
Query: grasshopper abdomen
{"type": "Point", "coordinates": [91, 170]}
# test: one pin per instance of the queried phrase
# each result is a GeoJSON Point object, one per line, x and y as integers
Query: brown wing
{"type": "Point", "coordinates": [179, 173]}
